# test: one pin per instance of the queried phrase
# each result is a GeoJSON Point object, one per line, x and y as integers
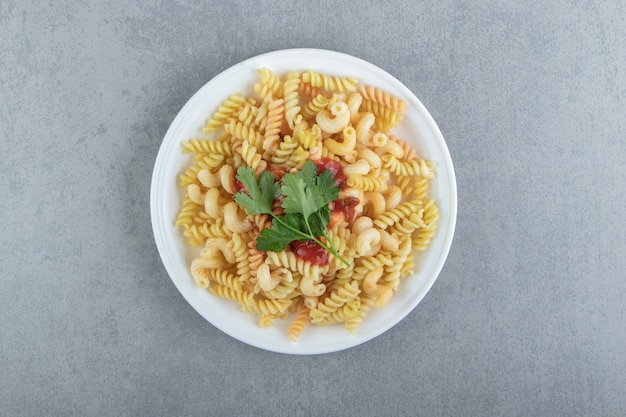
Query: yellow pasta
{"type": "Point", "coordinates": [230, 106]}
{"type": "Point", "coordinates": [383, 214]}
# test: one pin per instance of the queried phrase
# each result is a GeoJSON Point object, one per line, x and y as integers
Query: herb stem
{"type": "Point", "coordinates": [332, 249]}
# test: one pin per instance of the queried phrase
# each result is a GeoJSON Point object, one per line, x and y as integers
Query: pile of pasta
{"type": "Point", "coordinates": [289, 119]}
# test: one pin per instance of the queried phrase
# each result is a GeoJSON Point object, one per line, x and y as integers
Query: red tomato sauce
{"type": "Point", "coordinates": [310, 251]}
{"type": "Point", "coordinates": [334, 167]}
{"type": "Point", "coordinates": [277, 172]}
{"type": "Point", "coordinates": [346, 207]}
{"type": "Point", "coordinates": [239, 186]}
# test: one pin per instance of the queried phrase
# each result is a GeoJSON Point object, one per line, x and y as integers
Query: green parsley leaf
{"type": "Point", "coordinates": [300, 197]}
{"type": "Point", "coordinates": [308, 173]}
{"type": "Point", "coordinates": [305, 203]}
{"type": "Point", "coordinates": [276, 238]}
{"type": "Point", "coordinates": [319, 221]}
{"type": "Point", "coordinates": [326, 184]}
{"type": "Point", "coordinates": [261, 194]}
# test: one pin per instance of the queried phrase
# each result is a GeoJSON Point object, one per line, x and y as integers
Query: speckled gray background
{"type": "Point", "coordinates": [527, 317]}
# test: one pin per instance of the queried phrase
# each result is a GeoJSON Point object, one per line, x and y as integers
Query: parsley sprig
{"type": "Point", "coordinates": [306, 196]}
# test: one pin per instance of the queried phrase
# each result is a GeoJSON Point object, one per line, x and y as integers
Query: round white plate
{"type": "Point", "coordinates": [417, 128]}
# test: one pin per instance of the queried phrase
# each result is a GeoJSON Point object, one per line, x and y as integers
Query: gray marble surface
{"type": "Point", "coordinates": [527, 317]}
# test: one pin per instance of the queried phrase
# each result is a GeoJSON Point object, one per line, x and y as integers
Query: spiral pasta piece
{"type": "Point", "coordinates": [316, 105]}
{"type": "Point", "coordinates": [275, 117]}
{"type": "Point", "coordinates": [269, 86]}
{"type": "Point", "coordinates": [291, 97]}
{"type": "Point", "coordinates": [380, 96]}
{"type": "Point", "coordinates": [419, 168]}
{"type": "Point", "coordinates": [284, 154]}
{"type": "Point", "coordinates": [391, 217]}
{"type": "Point", "coordinates": [202, 146]}
{"type": "Point", "coordinates": [298, 325]}
{"type": "Point", "coordinates": [228, 107]}
{"type": "Point", "coordinates": [327, 82]}
{"type": "Point", "coordinates": [245, 133]}
{"type": "Point", "coordinates": [335, 301]}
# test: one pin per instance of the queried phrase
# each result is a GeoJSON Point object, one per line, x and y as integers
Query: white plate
{"type": "Point", "coordinates": [418, 128]}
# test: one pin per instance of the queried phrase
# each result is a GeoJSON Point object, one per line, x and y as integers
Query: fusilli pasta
{"type": "Point", "coordinates": [383, 213]}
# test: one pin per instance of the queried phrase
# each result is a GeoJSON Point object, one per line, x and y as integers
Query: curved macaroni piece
{"type": "Point", "coordinates": [374, 203]}
{"type": "Point", "coordinates": [335, 118]}
{"type": "Point", "coordinates": [216, 246]}
{"type": "Point", "coordinates": [310, 286]}
{"type": "Point", "coordinates": [383, 297]}
{"type": "Point", "coordinates": [264, 278]}
{"type": "Point", "coordinates": [212, 206]}
{"type": "Point", "coordinates": [394, 196]}
{"type": "Point", "coordinates": [370, 156]}
{"type": "Point", "coordinates": [255, 257]}
{"type": "Point", "coordinates": [389, 241]}
{"type": "Point", "coordinates": [208, 179]}
{"type": "Point", "coordinates": [360, 167]}
{"type": "Point", "coordinates": [235, 218]}
{"type": "Point", "coordinates": [370, 281]}
{"type": "Point", "coordinates": [368, 242]}
{"type": "Point", "coordinates": [227, 179]}
{"type": "Point", "coordinates": [346, 146]}
{"type": "Point", "coordinates": [354, 103]}
{"type": "Point", "coordinates": [378, 140]}
{"type": "Point", "coordinates": [363, 128]}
